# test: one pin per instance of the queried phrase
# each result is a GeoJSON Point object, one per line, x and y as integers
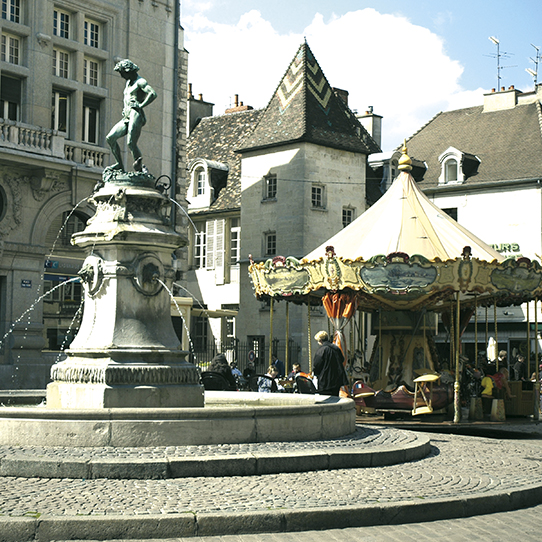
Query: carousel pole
{"type": "Point", "coordinates": [452, 334]}
{"type": "Point", "coordinates": [487, 333]}
{"type": "Point", "coordinates": [536, 386]}
{"type": "Point", "coordinates": [271, 331]}
{"type": "Point", "coordinates": [528, 341]}
{"type": "Point", "coordinates": [380, 345]}
{"type": "Point", "coordinates": [310, 338]}
{"type": "Point", "coordinates": [476, 331]}
{"type": "Point", "coordinates": [457, 388]}
{"type": "Point", "coordinates": [287, 353]}
{"type": "Point", "coordinates": [496, 334]}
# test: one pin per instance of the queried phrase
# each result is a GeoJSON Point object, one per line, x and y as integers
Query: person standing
{"type": "Point", "coordinates": [279, 366]}
{"type": "Point", "coordinates": [328, 366]}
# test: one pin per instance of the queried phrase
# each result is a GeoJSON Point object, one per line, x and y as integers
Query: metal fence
{"type": "Point", "coordinates": [239, 352]}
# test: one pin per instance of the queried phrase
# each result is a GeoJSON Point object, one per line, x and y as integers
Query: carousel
{"type": "Point", "coordinates": [402, 265]}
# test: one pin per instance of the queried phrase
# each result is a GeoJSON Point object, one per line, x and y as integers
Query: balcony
{"type": "Point", "coordinates": [44, 142]}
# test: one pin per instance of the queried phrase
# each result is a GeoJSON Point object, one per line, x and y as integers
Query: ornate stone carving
{"type": "Point", "coordinates": [14, 205]}
{"type": "Point", "coordinates": [44, 182]}
{"type": "Point", "coordinates": [125, 374]}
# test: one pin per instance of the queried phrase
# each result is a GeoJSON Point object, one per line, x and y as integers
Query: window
{"type": "Point", "coordinates": [235, 241]}
{"type": "Point", "coordinates": [200, 182]}
{"type": "Point", "coordinates": [91, 72]}
{"type": "Point", "coordinates": [270, 244]}
{"type": "Point", "coordinates": [10, 49]}
{"type": "Point", "coordinates": [270, 187]}
{"type": "Point", "coordinates": [199, 333]}
{"type": "Point", "coordinates": [348, 216]}
{"type": "Point", "coordinates": [200, 248]}
{"type": "Point", "coordinates": [92, 33]}
{"type": "Point", "coordinates": [317, 197]}
{"type": "Point", "coordinates": [73, 224]}
{"type": "Point", "coordinates": [61, 24]}
{"type": "Point", "coordinates": [91, 112]}
{"type": "Point", "coordinates": [60, 110]}
{"type": "Point", "coordinates": [11, 10]}
{"type": "Point", "coordinates": [450, 167]}
{"type": "Point", "coordinates": [10, 98]}
{"type": "Point", "coordinates": [451, 212]}
{"type": "Point", "coordinates": [61, 62]}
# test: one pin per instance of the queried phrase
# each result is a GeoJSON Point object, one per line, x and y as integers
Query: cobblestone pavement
{"type": "Point", "coordinates": [522, 524]}
{"type": "Point", "coordinates": [367, 437]}
{"type": "Point", "coordinates": [456, 466]}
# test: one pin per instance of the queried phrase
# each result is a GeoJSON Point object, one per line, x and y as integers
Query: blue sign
{"type": "Point", "coordinates": [26, 283]}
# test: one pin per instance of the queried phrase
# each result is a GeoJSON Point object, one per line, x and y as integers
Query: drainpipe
{"type": "Point", "coordinates": [173, 188]}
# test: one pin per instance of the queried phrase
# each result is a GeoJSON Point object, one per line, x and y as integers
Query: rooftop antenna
{"type": "Point", "coordinates": [498, 56]}
{"type": "Point", "coordinates": [536, 60]}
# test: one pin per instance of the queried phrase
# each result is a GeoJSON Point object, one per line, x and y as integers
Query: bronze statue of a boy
{"type": "Point", "coordinates": [137, 95]}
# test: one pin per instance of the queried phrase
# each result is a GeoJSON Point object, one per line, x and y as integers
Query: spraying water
{"type": "Point", "coordinates": [184, 211]}
{"type": "Point", "coordinates": [63, 226]}
{"type": "Point", "coordinates": [193, 297]}
{"type": "Point", "coordinates": [31, 308]}
{"type": "Point", "coordinates": [74, 319]}
{"type": "Point", "coordinates": [192, 351]}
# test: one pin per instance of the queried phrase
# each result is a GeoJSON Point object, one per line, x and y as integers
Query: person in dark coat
{"type": "Point", "coordinates": [219, 364]}
{"type": "Point", "coordinates": [328, 366]}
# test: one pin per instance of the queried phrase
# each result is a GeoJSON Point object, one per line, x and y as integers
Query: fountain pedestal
{"type": "Point", "coordinates": [126, 353]}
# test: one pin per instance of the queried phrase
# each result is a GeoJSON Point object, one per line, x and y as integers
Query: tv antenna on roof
{"type": "Point", "coordinates": [498, 56]}
{"type": "Point", "coordinates": [536, 61]}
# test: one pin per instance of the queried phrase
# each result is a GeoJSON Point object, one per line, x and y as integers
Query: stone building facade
{"type": "Point", "coordinates": [272, 182]}
{"type": "Point", "coordinates": [59, 98]}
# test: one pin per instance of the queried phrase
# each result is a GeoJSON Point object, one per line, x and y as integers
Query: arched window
{"type": "Point", "coordinates": [199, 182]}
{"type": "Point", "coordinates": [450, 170]}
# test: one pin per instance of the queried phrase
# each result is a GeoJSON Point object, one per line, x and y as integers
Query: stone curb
{"type": "Point", "coordinates": [50, 528]}
{"type": "Point", "coordinates": [238, 465]}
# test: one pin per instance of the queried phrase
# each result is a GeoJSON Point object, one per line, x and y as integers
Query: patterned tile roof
{"type": "Point", "coordinates": [507, 142]}
{"type": "Point", "coordinates": [217, 138]}
{"type": "Point", "coordinates": [304, 107]}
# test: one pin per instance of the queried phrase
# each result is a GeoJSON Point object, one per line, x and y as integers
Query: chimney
{"type": "Point", "coordinates": [197, 110]}
{"type": "Point", "coordinates": [343, 94]}
{"type": "Point", "coordinates": [501, 100]}
{"type": "Point", "coordinates": [239, 106]}
{"type": "Point", "coordinates": [372, 123]}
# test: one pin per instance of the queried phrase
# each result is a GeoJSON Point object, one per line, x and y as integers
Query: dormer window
{"type": "Point", "coordinates": [207, 179]}
{"type": "Point", "coordinates": [457, 166]}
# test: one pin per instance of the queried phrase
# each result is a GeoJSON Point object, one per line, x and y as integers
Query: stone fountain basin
{"type": "Point", "coordinates": [227, 418]}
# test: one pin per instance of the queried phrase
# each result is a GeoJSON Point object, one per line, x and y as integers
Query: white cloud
{"type": "Point", "coordinates": [385, 61]}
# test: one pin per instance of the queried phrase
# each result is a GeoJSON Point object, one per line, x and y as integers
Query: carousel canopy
{"type": "Point", "coordinates": [404, 253]}
{"type": "Point", "coordinates": [404, 220]}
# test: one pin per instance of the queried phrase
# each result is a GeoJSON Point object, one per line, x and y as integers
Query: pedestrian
{"type": "Point", "coordinates": [219, 364]}
{"type": "Point", "coordinates": [328, 366]}
{"type": "Point", "coordinates": [279, 366]}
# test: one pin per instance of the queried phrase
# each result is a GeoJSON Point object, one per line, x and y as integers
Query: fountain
{"type": "Point", "coordinates": [125, 381]}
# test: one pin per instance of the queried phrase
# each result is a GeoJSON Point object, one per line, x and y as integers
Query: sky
{"type": "Point", "coordinates": [408, 60]}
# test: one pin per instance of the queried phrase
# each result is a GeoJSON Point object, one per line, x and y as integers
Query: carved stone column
{"type": "Point", "coordinates": [126, 353]}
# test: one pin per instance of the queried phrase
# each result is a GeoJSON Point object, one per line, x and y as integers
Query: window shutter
{"type": "Point", "coordinates": [211, 244]}
{"type": "Point", "coordinates": [220, 227]}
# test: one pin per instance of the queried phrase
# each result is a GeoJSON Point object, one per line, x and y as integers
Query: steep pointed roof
{"type": "Point", "coordinates": [405, 220]}
{"type": "Point", "coordinates": [305, 108]}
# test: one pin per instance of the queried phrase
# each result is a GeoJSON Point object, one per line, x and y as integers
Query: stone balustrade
{"type": "Point", "coordinates": [46, 142]}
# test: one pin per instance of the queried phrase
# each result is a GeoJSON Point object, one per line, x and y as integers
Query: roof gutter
{"type": "Point", "coordinates": [480, 187]}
